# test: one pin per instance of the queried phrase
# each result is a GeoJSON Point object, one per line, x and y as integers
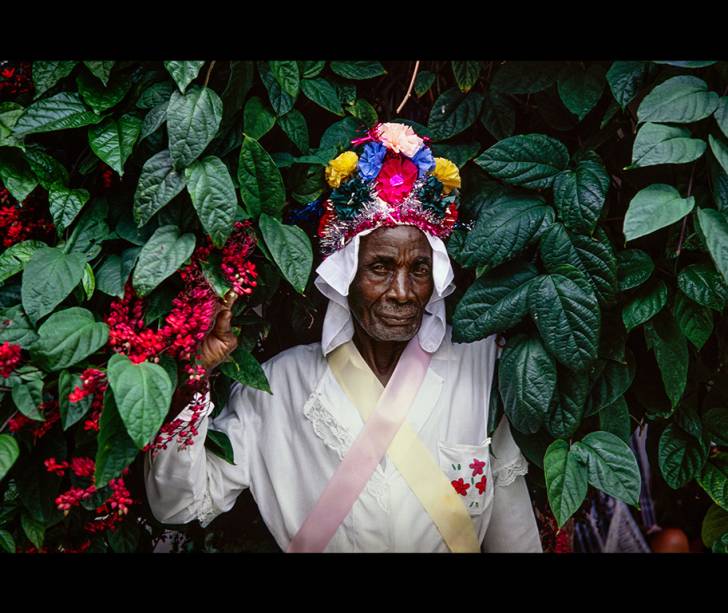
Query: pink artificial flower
{"type": "Point", "coordinates": [395, 179]}
{"type": "Point", "coordinates": [400, 138]}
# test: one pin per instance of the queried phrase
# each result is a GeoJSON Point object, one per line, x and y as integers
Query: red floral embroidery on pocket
{"type": "Point", "coordinates": [461, 487]}
{"type": "Point", "coordinates": [481, 484]}
{"type": "Point", "coordinates": [477, 466]}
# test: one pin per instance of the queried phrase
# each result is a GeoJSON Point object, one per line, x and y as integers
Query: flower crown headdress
{"type": "Point", "coordinates": [394, 180]}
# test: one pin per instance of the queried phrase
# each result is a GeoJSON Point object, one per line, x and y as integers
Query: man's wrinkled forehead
{"type": "Point", "coordinates": [387, 245]}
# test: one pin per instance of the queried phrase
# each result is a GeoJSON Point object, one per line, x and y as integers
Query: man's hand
{"type": "Point", "coordinates": [220, 341]}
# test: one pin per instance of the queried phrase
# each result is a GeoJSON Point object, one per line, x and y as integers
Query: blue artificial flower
{"type": "Point", "coordinates": [423, 160]}
{"type": "Point", "coordinates": [371, 159]}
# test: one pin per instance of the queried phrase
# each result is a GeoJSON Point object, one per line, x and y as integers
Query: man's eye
{"type": "Point", "coordinates": [422, 269]}
{"type": "Point", "coordinates": [379, 268]}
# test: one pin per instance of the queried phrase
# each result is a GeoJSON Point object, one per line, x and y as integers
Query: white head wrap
{"type": "Point", "coordinates": [336, 272]}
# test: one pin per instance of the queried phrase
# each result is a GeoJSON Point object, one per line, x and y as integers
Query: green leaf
{"type": "Point", "coordinates": [720, 151]}
{"type": "Point", "coordinates": [183, 73]}
{"type": "Point", "coordinates": [715, 421]}
{"type": "Point", "coordinates": [48, 278]}
{"type": "Point", "coordinates": [613, 382]}
{"type": "Point", "coordinates": [323, 93]}
{"type": "Point", "coordinates": [579, 194]}
{"type": "Point", "coordinates": [580, 89]}
{"type": "Point", "coordinates": [453, 113]}
{"type": "Point", "coordinates": [88, 281]}
{"type": "Point", "coordinates": [493, 303]}
{"type": "Point", "coordinates": [566, 480]}
{"type": "Point", "coordinates": [338, 137]}
{"type": "Point", "coordinates": [364, 112]}
{"type": "Point", "coordinates": [101, 69]}
{"type": "Point", "coordinates": [7, 542]}
{"type": "Point", "coordinates": [213, 196]}
{"type": "Point", "coordinates": [687, 64]}
{"type": "Point", "coordinates": [214, 275]}
{"type": "Point", "coordinates": [527, 160]}
{"type": "Point", "coordinates": [15, 328]}
{"type": "Point", "coordinates": [33, 529]}
{"type": "Point", "coordinates": [71, 412]}
{"type": "Point", "coordinates": [615, 419]}
{"type": "Point", "coordinates": [287, 75]}
{"type": "Point", "coordinates": [14, 258]}
{"type": "Point", "coordinates": [113, 141]}
{"type": "Point", "coordinates": [245, 369]}
{"type": "Point", "coordinates": [100, 98]}
{"type": "Point", "coordinates": [657, 144]}
{"type": "Point", "coordinates": [568, 412]}
{"type": "Point", "coordinates": [112, 275]}
{"type": "Point", "coordinates": [525, 77]}
{"type": "Point", "coordinates": [625, 80]}
{"type": "Point", "coordinates": [16, 175]}
{"type": "Point", "coordinates": [65, 204]}
{"type": "Point", "coordinates": [60, 112]}
{"type": "Point", "coordinates": [715, 524]}
{"type": "Point", "coordinates": [143, 393]}
{"type": "Point", "coordinates": [680, 99]}
{"type": "Point", "coordinates": [47, 74]}
{"type": "Point", "coordinates": [47, 168]}
{"type": "Point", "coordinates": [704, 285]}
{"type": "Point", "coordinates": [311, 68]}
{"type": "Point", "coordinates": [671, 352]}
{"type": "Point", "coordinates": [155, 94]}
{"type": "Point", "coordinates": [220, 445]}
{"type": "Point", "coordinates": [290, 248]}
{"type": "Point", "coordinates": [504, 229]}
{"type": "Point", "coordinates": [567, 317]}
{"type": "Point", "coordinates": [261, 184]}
{"type": "Point", "coordinates": [498, 115]}
{"type": "Point", "coordinates": [715, 229]}
{"type": "Point", "coordinates": [193, 119]}
{"type": "Point", "coordinates": [257, 119]}
{"type": "Point", "coordinates": [634, 267]}
{"type": "Point", "coordinates": [694, 321]}
{"type": "Point", "coordinates": [279, 100]}
{"type": "Point", "coordinates": [721, 115]}
{"type": "Point", "coordinates": [714, 479]}
{"type": "Point", "coordinates": [116, 449]}
{"type": "Point", "coordinates": [644, 305]}
{"type": "Point", "coordinates": [527, 382]}
{"type": "Point", "coordinates": [9, 453]}
{"type": "Point", "coordinates": [153, 120]}
{"type": "Point", "coordinates": [681, 457]}
{"type": "Point", "coordinates": [466, 74]}
{"type": "Point", "coordinates": [423, 82]}
{"type": "Point", "coordinates": [294, 125]}
{"type": "Point", "coordinates": [158, 183]}
{"type": "Point", "coordinates": [90, 231]}
{"type": "Point", "coordinates": [162, 255]}
{"type": "Point", "coordinates": [69, 336]}
{"type": "Point", "coordinates": [9, 114]}
{"type": "Point", "coordinates": [612, 466]}
{"type": "Point", "coordinates": [655, 207]}
{"type": "Point", "coordinates": [592, 255]}
{"type": "Point", "coordinates": [27, 396]}
{"type": "Point", "coordinates": [358, 70]}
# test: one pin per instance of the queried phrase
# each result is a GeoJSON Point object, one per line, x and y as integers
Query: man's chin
{"type": "Point", "coordinates": [399, 333]}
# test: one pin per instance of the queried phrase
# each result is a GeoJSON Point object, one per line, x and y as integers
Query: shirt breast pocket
{"type": "Point", "coordinates": [468, 469]}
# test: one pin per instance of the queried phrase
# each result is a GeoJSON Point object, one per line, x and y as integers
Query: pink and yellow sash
{"type": "Point", "coordinates": [385, 431]}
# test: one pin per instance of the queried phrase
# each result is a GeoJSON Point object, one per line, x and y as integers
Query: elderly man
{"type": "Point", "coordinates": [375, 439]}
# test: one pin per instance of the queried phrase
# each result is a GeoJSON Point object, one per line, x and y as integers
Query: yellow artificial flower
{"type": "Point", "coordinates": [446, 173]}
{"type": "Point", "coordinates": [341, 167]}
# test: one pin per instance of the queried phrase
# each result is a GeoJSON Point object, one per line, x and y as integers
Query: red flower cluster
{"type": "Point", "coordinates": [19, 223]}
{"type": "Point", "coordinates": [39, 428]}
{"type": "Point", "coordinates": [127, 333]}
{"type": "Point", "coordinates": [93, 382]}
{"type": "Point", "coordinates": [9, 358]}
{"type": "Point", "coordinates": [107, 176]}
{"type": "Point", "coordinates": [15, 78]}
{"type": "Point", "coordinates": [236, 266]}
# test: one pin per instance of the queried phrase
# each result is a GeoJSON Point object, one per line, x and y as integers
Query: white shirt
{"type": "Point", "coordinates": [288, 445]}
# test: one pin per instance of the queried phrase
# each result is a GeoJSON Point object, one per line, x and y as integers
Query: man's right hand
{"type": "Point", "coordinates": [220, 342]}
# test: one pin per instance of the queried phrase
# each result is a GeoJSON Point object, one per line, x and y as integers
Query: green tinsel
{"type": "Point", "coordinates": [349, 196]}
{"type": "Point", "coordinates": [430, 195]}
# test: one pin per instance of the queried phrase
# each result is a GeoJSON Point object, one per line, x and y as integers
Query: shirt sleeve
{"type": "Point", "coordinates": [188, 483]}
{"type": "Point", "coordinates": [512, 526]}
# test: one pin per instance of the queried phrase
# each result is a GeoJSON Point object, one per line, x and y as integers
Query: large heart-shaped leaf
{"type": "Point", "coordinates": [158, 183]}
{"type": "Point", "coordinates": [625, 80]}
{"type": "Point", "coordinates": [183, 73]}
{"type": "Point", "coordinates": [658, 144]}
{"type": "Point", "coordinates": [680, 99]}
{"type": "Point", "coordinates": [566, 480]}
{"type": "Point", "coordinates": [581, 89]}
{"type": "Point", "coordinates": [116, 449]}
{"type": "Point", "coordinates": [681, 457]}
{"type": "Point", "coordinates": [454, 112]}
{"type": "Point", "coordinates": [290, 248]}
{"type": "Point", "coordinates": [9, 452]}
{"type": "Point", "coordinates": [60, 112]}
{"type": "Point", "coordinates": [143, 393]}
{"type": "Point", "coordinates": [162, 255]}
{"type": "Point", "coordinates": [645, 304]}
{"type": "Point", "coordinates": [715, 229]}
{"type": "Point", "coordinates": [634, 267]}
{"type": "Point", "coordinates": [15, 328]}
{"type": "Point", "coordinates": [213, 196]}
{"type": "Point", "coordinates": [579, 194]}
{"type": "Point", "coordinates": [14, 258]}
{"type": "Point", "coordinates": [193, 119]}
{"type": "Point", "coordinates": [671, 352]}
{"type": "Point", "coordinates": [113, 141]}
{"type": "Point", "coordinates": [245, 369]}
{"type": "Point", "coordinates": [714, 479]}
{"type": "Point", "coordinates": [704, 285]}
{"type": "Point", "coordinates": [65, 204]}
{"type": "Point", "coordinates": [694, 321]}
{"type": "Point", "coordinates": [655, 207]}
{"type": "Point", "coordinates": [261, 184]}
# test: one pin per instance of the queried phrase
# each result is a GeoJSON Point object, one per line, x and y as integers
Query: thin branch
{"type": "Point", "coordinates": [7, 421]}
{"type": "Point", "coordinates": [209, 70]}
{"type": "Point", "coordinates": [409, 89]}
{"type": "Point", "coordinates": [685, 219]}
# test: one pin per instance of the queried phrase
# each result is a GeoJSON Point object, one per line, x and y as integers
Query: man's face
{"type": "Point", "coordinates": [393, 283]}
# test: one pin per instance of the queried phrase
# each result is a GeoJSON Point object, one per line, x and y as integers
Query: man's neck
{"type": "Point", "coordinates": [381, 356]}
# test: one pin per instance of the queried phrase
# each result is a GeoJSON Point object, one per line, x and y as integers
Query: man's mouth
{"type": "Point", "coordinates": [397, 320]}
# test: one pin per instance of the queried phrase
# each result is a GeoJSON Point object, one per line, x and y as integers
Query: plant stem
{"type": "Point", "coordinates": [209, 70]}
{"type": "Point", "coordinates": [409, 89]}
{"type": "Point", "coordinates": [685, 219]}
{"type": "Point", "coordinates": [7, 421]}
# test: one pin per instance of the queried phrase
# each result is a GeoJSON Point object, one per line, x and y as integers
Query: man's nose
{"type": "Point", "coordinates": [401, 288]}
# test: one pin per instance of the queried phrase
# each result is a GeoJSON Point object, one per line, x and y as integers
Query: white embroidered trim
{"type": "Point", "coordinates": [505, 475]}
{"type": "Point", "coordinates": [338, 438]}
{"type": "Point", "coordinates": [205, 509]}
